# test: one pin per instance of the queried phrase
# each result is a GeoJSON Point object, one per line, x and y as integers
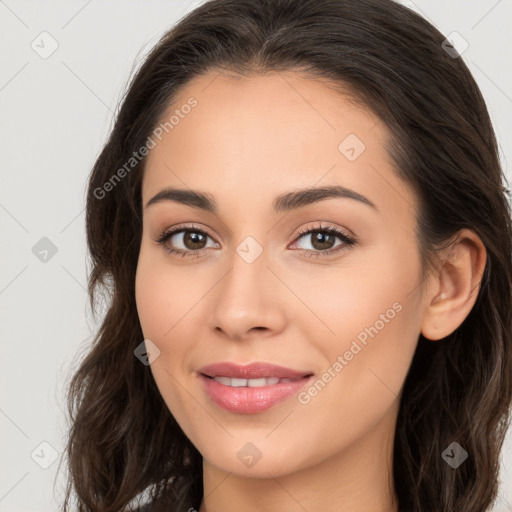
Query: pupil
{"type": "Point", "coordinates": [194, 239]}
{"type": "Point", "coordinates": [322, 236]}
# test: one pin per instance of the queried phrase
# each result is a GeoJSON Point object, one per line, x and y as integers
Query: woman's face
{"type": "Point", "coordinates": [252, 283]}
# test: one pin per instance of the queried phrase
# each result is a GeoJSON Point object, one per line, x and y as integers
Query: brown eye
{"type": "Point", "coordinates": [194, 240]}
{"type": "Point", "coordinates": [323, 240]}
{"type": "Point", "coordinates": [181, 241]}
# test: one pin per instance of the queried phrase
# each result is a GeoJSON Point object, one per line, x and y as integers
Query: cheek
{"type": "Point", "coordinates": [162, 304]}
{"type": "Point", "coordinates": [168, 298]}
{"type": "Point", "coordinates": [163, 295]}
{"type": "Point", "coordinates": [366, 364]}
{"type": "Point", "coordinates": [364, 293]}
{"type": "Point", "coordinates": [153, 308]}
{"type": "Point", "coordinates": [370, 322]}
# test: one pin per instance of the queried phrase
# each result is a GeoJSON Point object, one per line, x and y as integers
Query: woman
{"type": "Point", "coordinates": [300, 217]}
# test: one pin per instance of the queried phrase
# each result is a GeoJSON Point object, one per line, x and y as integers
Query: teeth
{"type": "Point", "coordinates": [251, 383]}
{"type": "Point", "coordinates": [223, 380]}
{"type": "Point", "coordinates": [236, 382]}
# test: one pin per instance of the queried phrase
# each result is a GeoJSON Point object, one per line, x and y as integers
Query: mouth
{"type": "Point", "coordinates": [251, 395]}
{"type": "Point", "coordinates": [253, 374]}
{"type": "Point", "coordinates": [252, 383]}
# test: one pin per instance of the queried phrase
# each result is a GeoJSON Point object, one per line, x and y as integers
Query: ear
{"type": "Point", "coordinates": [455, 286]}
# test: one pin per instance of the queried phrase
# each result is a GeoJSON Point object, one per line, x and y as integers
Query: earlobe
{"type": "Point", "coordinates": [454, 287]}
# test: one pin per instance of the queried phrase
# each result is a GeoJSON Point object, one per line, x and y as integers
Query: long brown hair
{"type": "Point", "coordinates": [123, 441]}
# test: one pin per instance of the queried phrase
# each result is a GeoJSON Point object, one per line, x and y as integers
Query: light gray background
{"type": "Point", "coordinates": [56, 113]}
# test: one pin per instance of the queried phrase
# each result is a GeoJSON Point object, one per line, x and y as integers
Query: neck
{"type": "Point", "coordinates": [359, 478]}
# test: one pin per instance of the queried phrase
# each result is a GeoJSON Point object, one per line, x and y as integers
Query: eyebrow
{"type": "Point", "coordinates": [284, 202]}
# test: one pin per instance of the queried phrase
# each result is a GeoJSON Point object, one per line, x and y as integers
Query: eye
{"type": "Point", "coordinates": [322, 240]}
{"type": "Point", "coordinates": [191, 238]}
{"type": "Point", "coordinates": [193, 241]}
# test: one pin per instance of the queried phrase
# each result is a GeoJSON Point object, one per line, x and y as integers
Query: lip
{"type": "Point", "coordinates": [256, 370]}
{"type": "Point", "coordinates": [251, 400]}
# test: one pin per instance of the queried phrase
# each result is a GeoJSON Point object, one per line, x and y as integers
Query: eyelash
{"type": "Point", "coordinates": [347, 241]}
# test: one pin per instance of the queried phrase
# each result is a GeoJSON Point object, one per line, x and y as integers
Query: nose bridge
{"type": "Point", "coordinates": [246, 297]}
{"type": "Point", "coordinates": [247, 281]}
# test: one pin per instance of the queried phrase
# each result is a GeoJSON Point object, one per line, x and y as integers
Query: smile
{"type": "Point", "coordinates": [251, 396]}
{"type": "Point", "coordinates": [251, 383]}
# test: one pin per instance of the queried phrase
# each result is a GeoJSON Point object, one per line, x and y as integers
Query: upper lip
{"type": "Point", "coordinates": [256, 370]}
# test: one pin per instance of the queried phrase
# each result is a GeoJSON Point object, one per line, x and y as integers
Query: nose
{"type": "Point", "coordinates": [249, 299]}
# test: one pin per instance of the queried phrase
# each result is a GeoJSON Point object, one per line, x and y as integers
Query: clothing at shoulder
{"type": "Point", "coordinates": [148, 507]}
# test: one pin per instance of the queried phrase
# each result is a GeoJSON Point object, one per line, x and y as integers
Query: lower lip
{"type": "Point", "coordinates": [246, 400]}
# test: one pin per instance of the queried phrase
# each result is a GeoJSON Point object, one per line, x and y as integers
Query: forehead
{"type": "Point", "coordinates": [267, 134]}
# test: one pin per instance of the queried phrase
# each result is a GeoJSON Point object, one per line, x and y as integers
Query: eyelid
{"type": "Point", "coordinates": [183, 227]}
{"type": "Point", "coordinates": [307, 229]}
{"type": "Point", "coordinates": [348, 239]}
{"type": "Point", "coordinates": [326, 227]}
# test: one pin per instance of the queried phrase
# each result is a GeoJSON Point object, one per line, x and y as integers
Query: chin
{"type": "Point", "coordinates": [251, 459]}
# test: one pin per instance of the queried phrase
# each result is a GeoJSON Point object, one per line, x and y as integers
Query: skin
{"type": "Point", "coordinates": [246, 142]}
